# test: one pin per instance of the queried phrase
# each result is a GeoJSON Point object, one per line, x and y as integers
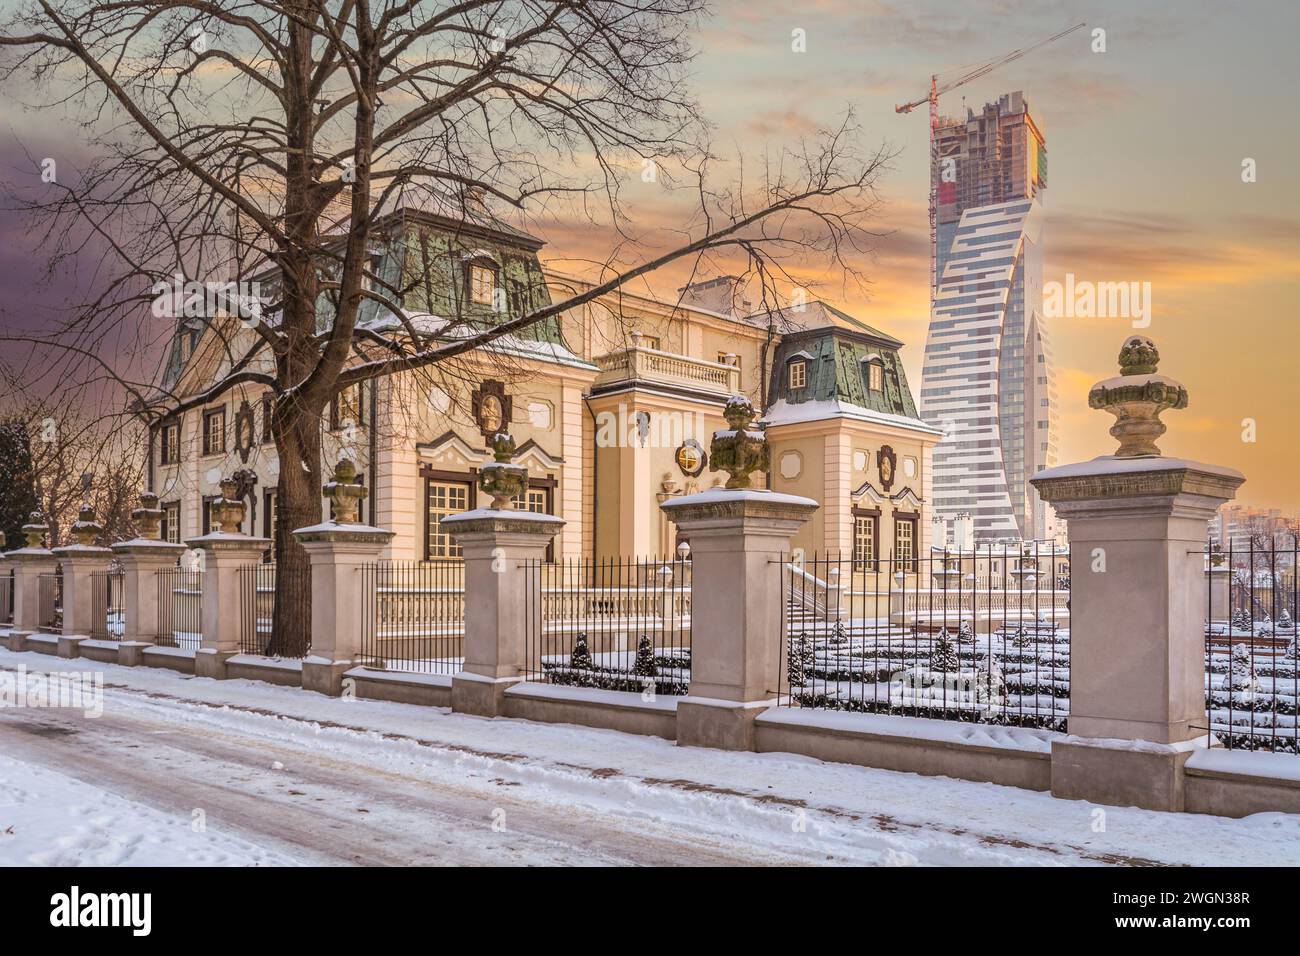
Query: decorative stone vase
{"type": "Point", "coordinates": [148, 517]}
{"type": "Point", "coordinates": [228, 510]}
{"type": "Point", "coordinates": [500, 478]}
{"type": "Point", "coordinates": [35, 529]}
{"type": "Point", "coordinates": [344, 492]}
{"type": "Point", "coordinates": [1137, 398]}
{"type": "Point", "coordinates": [86, 529]}
{"type": "Point", "coordinates": [738, 450]}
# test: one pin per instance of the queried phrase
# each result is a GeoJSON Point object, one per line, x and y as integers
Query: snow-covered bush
{"type": "Point", "coordinates": [580, 657]}
{"type": "Point", "coordinates": [944, 659]}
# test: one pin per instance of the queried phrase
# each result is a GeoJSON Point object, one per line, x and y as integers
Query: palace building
{"type": "Point", "coordinates": [612, 407]}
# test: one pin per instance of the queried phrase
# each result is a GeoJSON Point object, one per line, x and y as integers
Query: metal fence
{"type": "Point", "coordinates": [413, 616]}
{"type": "Point", "coordinates": [979, 635]}
{"type": "Point", "coordinates": [7, 596]}
{"type": "Point", "coordinates": [106, 592]}
{"type": "Point", "coordinates": [180, 608]}
{"type": "Point", "coordinates": [257, 602]}
{"type": "Point", "coordinates": [49, 602]}
{"type": "Point", "coordinates": [1252, 663]}
{"type": "Point", "coordinates": [617, 624]}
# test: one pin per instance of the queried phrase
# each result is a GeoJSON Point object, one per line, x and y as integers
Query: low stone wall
{"type": "Point", "coordinates": [251, 667]}
{"type": "Point", "coordinates": [172, 658]}
{"type": "Point", "coordinates": [1236, 783]}
{"type": "Point", "coordinates": [42, 644]}
{"type": "Point", "coordinates": [589, 707]}
{"type": "Point", "coordinates": [430, 690]}
{"type": "Point", "coordinates": [1010, 756]}
{"type": "Point", "coordinates": [106, 652]}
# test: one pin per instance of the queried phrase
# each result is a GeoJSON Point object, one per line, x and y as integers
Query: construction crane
{"type": "Point", "coordinates": [936, 88]}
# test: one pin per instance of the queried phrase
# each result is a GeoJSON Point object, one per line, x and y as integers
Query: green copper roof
{"type": "Point", "coordinates": [838, 354]}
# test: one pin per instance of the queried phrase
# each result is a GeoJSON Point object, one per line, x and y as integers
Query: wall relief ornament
{"type": "Point", "coordinates": [491, 407]}
{"type": "Point", "coordinates": [245, 431]}
{"type": "Point", "coordinates": [887, 465]}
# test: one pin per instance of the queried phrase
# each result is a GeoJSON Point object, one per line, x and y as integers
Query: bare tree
{"type": "Point", "coordinates": [79, 456]}
{"type": "Point", "coordinates": [236, 136]}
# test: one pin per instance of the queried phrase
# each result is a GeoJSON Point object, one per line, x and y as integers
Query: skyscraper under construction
{"type": "Point", "coordinates": [987, 378]}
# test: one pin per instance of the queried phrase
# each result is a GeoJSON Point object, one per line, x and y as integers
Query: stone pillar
{"type": "Point", "coordinates": [1138, 603]}
{"type": "Point", "coordinates": [738, 542]}
{"type": "Point", "coordinates": [338, 549]}
{"type": "Point", "coordinates": [141, 559]}
{"type": "Point", "coordinates": [6, 596]}
{"type": "Point", "coordinates": [79, 562]}
{"type": "Point", "coordinates": [502, 549]}
{"type": "Point", "coordinates": [225, 551]}
{"type": "Point", "coordinates": [29, 563]}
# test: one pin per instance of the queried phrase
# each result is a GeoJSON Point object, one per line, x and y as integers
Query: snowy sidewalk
{"type": "Point", "coordinates": [281, 774]}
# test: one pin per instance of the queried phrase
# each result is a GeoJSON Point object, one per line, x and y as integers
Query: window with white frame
{"type": "Point", "coordinates": [875, 376]}
{"type": "Point", "coordinates": [482, 284]}
{"type": "Point", "coordinates": [171, 522]}
{"type": "Point", "coordinates": [798, 374]}
{"type": "Point", "coordinates": [214, 431]}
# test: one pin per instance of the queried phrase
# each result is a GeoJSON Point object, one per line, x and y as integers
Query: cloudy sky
{"type": "Point", "coordinates": [1146, 143]}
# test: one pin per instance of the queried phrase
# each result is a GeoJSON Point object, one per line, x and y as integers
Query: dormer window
{"type": "Point", "coordinates": [374, 271]}
{"type": "Point", "coordinates": [875, 375]}
{"type": "Point", "coordinates": [482, 283]}
{"type": "Point", "coordinates": [798, 374]}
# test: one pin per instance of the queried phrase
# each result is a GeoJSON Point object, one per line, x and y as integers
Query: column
{"type": "Point", "coordinates": [80, 562]}
{"type": "Point", "coordinates": [142, 558]}
{"type": "Point", "coordinates": [503, 549]}
{"type": "Point", "coordinates": [225, 551]}
{"type": "Point", "coordinates": [338, 550]}
{"type": "Point", "coordinates": [29, 563]}
{"type": "Point", "coordinates": [1138, 602]}
{"type": "Point", "coordinates": [740, 538]}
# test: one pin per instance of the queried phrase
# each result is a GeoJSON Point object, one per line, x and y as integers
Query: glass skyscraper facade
{"type": "Point", "coordinates": [987, 378]}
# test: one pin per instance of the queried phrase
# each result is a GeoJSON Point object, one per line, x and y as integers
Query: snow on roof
{"type": "Point", "coordinates": [787, 413]}
{"type": "Point", "coordinates": [429, 324]}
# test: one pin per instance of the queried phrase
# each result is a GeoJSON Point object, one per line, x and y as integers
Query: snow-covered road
{"type": "Point", "coordinates": [189, 770]}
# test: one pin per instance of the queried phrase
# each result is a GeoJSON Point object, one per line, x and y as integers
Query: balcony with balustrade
{"type": "Point", "coordinates": [641, 366]}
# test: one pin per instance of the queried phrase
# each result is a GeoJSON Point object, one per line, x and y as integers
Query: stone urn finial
{"type": "Point", "coordinates": [148, 516]}
{"type": "Point", "coordinates": [35, 529]}
{"type": "Point", "coordinates": [738, 450]}
{"type": "Point", "coordinates": [344, 492]}
{"type": "Point", "coordinates": [500, 478]}
{"type": "Point", "coordinates": [1137, 398]}
{"type": "Point", "coordinates": [228, 510]}
{"type": "Point", "coordinates": [86, 529]}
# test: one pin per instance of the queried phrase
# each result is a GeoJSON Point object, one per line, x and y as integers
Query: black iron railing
{"type": "Point", "coordinates": [616, 624]}
{"type": "Point", "coordinates": [180, 608]}
{"type": "Point", "coordinates": [413, 616]}
{"type": "Point", "coordinates": [258, 598]}
{"type": "Point", "coordinates": [980, 635]}
{"type": "Point", "coordinates": [49, 602]}
{"type": "Point", "coordinates": [7, 596]}
{"type": "Point", "coordinates": [1252, 661]}
{"type": "Point", "coordinates": [106, 593]}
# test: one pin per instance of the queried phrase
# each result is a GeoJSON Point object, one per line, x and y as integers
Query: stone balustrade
{"type": "Point", "coordinates": [639, 364]}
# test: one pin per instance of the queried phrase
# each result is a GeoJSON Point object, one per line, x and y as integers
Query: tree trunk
{"type": "Point", "coordinates": [298, 505]}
